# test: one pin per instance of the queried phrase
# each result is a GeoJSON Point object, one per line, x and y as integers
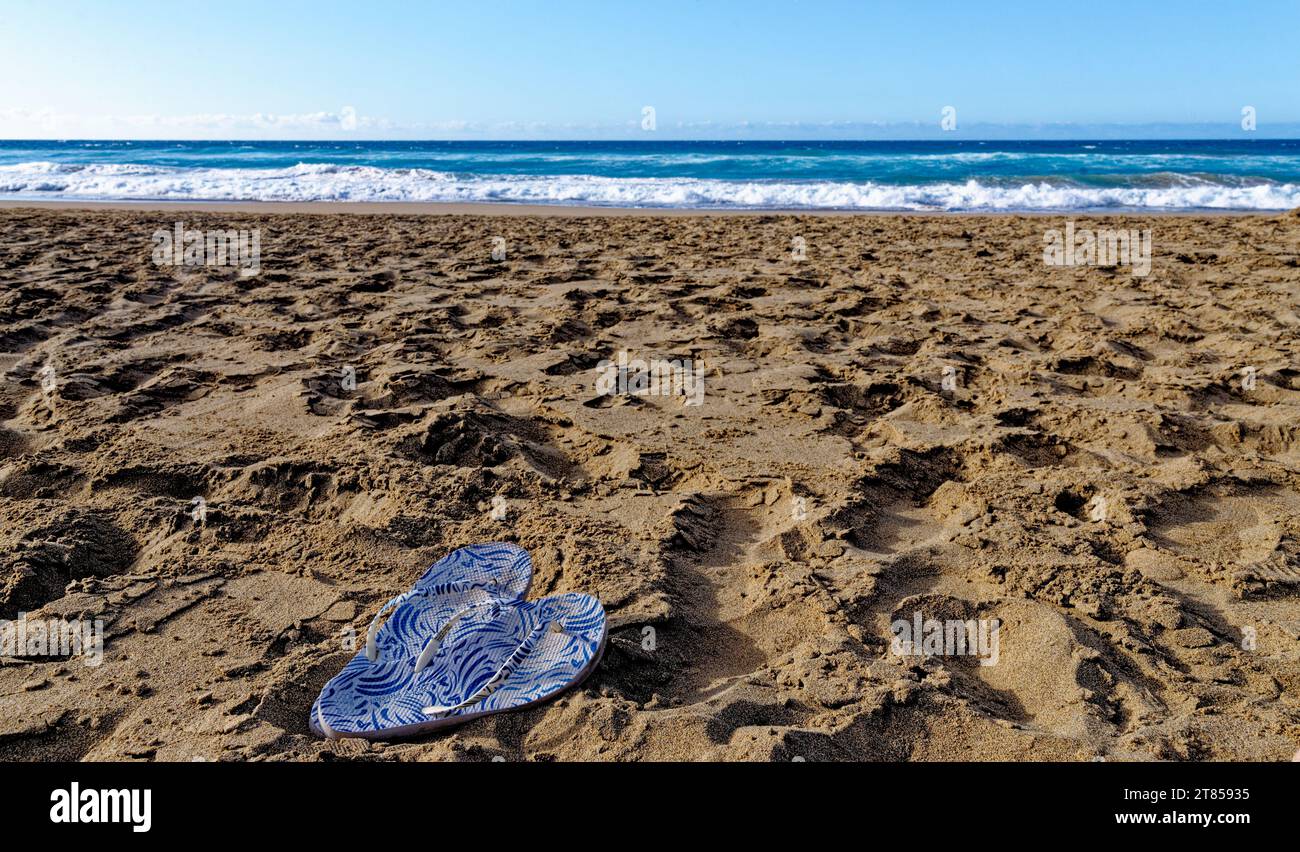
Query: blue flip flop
{"type": "Point", "coordinates": [486, 658]}
{"type": "Point", "coordinates": [464, 580]}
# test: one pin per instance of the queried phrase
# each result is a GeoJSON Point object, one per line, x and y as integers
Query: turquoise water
{"type": "Point", "coordinates": [926, 175]}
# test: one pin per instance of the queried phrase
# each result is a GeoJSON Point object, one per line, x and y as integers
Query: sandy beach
{"type": "Point", "coordinates": [899, 416]}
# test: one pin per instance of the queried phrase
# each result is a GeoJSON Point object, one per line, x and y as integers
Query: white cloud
{"type": "Point", "coordinates": [43, 123]}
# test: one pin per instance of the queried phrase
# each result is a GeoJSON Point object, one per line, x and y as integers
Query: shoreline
{"type": "Point", "coordinates": [510, 209]}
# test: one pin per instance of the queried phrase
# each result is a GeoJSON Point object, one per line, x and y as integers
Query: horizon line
{"type": "Point", "coordinates": [1241, 138]}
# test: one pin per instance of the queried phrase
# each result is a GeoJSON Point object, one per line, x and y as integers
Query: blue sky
{"type": "Point", "coordinates": [481, 69]}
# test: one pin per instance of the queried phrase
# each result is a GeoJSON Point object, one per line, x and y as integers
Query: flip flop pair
{"type": "Point", "coordinates": [462, 643]}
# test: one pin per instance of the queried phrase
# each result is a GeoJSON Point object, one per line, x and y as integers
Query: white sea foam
{"type": "Point", "coordinates": [329, 182]}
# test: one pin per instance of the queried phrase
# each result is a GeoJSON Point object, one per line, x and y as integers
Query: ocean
{"type": "Point", "coordinates": [1255, 174]}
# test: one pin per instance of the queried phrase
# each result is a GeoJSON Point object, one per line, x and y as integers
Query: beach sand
{"type": "Point", "coordinates": [919, 417]}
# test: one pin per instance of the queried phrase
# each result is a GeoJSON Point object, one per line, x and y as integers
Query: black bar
{"type": "Point", "coordinates": [332, 801]}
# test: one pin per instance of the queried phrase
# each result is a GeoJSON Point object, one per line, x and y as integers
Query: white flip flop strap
{"type": "Point", "coordinates": [503, 674]}
{"type": "Point", "coordinates": [435, 641]}
{"type": "Point", "coordinates": [372, 650]}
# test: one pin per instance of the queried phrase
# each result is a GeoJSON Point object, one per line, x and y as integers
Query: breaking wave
{"type": "Point", "coordinates": [334, 182]}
